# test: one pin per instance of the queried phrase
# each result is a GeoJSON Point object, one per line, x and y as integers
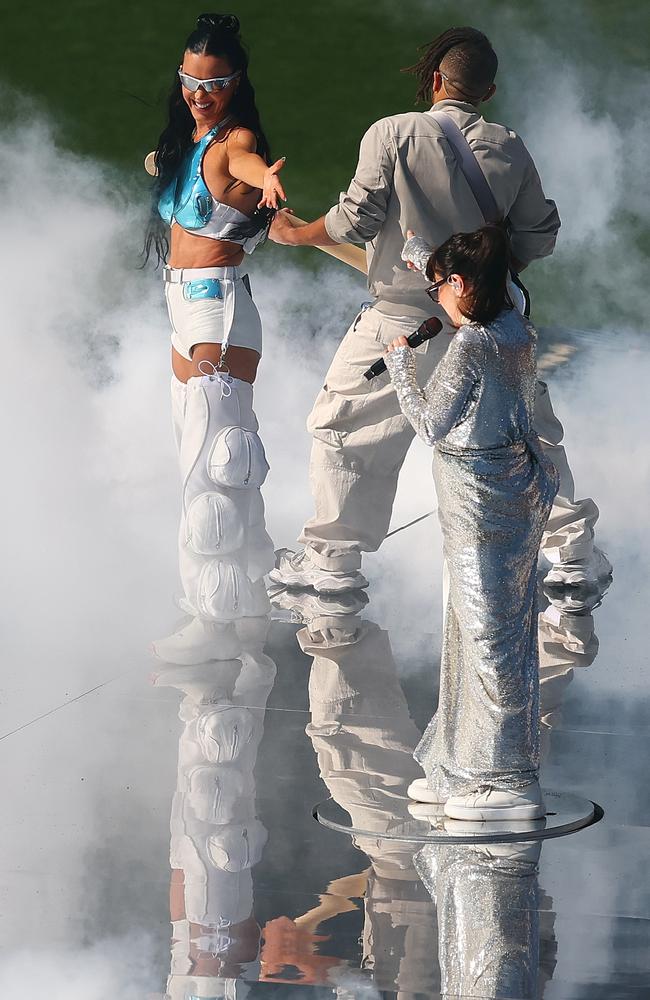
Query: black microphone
{"type": "Point", "coordinates": [426, 331]}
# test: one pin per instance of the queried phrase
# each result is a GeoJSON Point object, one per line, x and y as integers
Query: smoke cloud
{"type": "Point", "coordinates": [91, 493]}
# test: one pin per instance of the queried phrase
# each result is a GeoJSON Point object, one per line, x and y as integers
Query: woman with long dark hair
{"type": "Point", "coordinates": [214, 198]}
{"type": "Point", "coordinates": [495, 487]}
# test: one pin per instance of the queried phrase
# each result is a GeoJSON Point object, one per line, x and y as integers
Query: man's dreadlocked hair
{"type": "Point", "coordinates": [470, 63]}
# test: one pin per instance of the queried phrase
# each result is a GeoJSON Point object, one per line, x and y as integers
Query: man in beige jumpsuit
{"type": "Point", "coordinates": [408, 178]}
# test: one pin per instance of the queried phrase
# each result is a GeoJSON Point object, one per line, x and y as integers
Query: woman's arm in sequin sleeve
{"type": "Point", "coordinates": [434, 410]}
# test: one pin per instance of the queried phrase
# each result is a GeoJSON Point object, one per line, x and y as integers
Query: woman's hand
{"type": "Point", "coordinates": [411, 266]}
{"type": "Point", "coordinates": [394, 344]}
{"type": "Point", "coordinates": [272, 189]}
{"type": "Point", "coordinates": [416, 252]}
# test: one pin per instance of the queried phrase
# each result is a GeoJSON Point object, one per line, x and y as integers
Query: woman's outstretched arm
{"type": "Point", "coordinates": [248, 166]}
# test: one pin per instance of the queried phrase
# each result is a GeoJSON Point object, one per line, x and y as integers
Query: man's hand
{"type": "Point", "coordinates": [296, 233]}
{"type": "Point", "coordinates": [283, 227]}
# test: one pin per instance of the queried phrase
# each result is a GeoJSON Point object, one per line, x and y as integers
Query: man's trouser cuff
{"type": "Point", "coordinates": [345, 562]}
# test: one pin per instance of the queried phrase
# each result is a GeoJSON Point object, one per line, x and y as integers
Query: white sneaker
{"type": "Point", "coordinates": [296, 569]}
{"type": "Point", "coordinates": [495, 804]}
{"type": "Point", "coordinates": [198, 642]}
{"type": "Point", "coordinates": [419, 791]}
{"type": "Point", "coordinates": [306, 606]}
{"type": "Point", "coordinates": [592, 570]}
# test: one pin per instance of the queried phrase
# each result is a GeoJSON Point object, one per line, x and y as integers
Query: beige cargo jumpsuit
{"type": "Point", "coordinates": [408, 178]}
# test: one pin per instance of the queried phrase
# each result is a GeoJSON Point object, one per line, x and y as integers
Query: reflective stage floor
{"type": "Point", "coordinates": [261, 891]}
{"type": "Point", "coordinates": [259, 898]}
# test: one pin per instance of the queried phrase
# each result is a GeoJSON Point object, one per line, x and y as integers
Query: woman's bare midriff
{"type": "Point", "coordinates": [187, 250]}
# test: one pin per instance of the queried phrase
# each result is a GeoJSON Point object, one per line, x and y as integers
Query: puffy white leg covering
{"type": "Point", "coordinates": [178, 400]}
{"type": "Point", "coordinates": [224, 549]}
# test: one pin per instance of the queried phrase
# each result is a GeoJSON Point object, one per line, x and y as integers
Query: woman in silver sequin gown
{"type": "Point", "coordinates": [480, 753]}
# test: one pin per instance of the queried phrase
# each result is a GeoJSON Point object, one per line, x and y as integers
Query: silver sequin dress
{"type": "Point", "coordinates": [495, 488]}
{"type": "Point", "coordinates": [488, 908]}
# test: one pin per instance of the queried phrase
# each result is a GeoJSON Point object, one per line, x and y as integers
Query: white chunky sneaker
{"type": "Point", "coordinates": [419, 791]}
{"type": "Point", "coordinates": [592, 570]}
{"type": "Point", "coordinates": [296, 569]}
{"type": "Point", "coordinates": [495, 804]}
{"type": "Point", "coordinates": [198, 642]}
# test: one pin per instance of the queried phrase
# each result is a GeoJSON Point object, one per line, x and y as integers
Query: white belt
{"type": "Point", "coordinates": [177, 275]}
{"type": "Point", "coordinates": [226, 275]}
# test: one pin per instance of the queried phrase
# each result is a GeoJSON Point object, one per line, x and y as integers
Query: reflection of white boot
{"type": "Point", "coordinates": [495, 804]}
{"type": "Point", "coordinates": [198, 642]}
{"type": "Point", "coordinates": [205, 683]}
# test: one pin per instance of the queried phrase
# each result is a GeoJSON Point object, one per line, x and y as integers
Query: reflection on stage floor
{"type": "Point", "coordinates": [158, 837]}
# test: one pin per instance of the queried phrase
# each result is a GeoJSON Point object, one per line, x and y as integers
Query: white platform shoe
{"type": "Point", "coordinates": [494, 804]}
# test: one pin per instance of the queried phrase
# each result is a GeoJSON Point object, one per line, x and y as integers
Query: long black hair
{"type": "Point", "coordinates": [214, 35]}
{"type": "Point", "coordinates": [482, 258]}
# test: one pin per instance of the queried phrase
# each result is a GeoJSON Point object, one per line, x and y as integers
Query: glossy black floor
{"type": "Point", "coordinates": [295, 909]}
{"type": "Point", "coordinates": [261, 900]}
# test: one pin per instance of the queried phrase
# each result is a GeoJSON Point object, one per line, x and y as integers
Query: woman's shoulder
{"type": "Point", "coordinates": [230, 137]}
{"type": "Point", "coordinates": [512, 325]}
{"type": "Point", "coordinates": [472, 334]}
{"type": "Point", "coordinates": [240, 135]}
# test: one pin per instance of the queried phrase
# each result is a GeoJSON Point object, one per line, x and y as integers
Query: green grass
{"type": "Point", "coordinates": [323, 71]}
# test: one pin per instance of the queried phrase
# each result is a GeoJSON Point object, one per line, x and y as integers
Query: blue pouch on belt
{"type": "Point", "coordinates": [202, 288]}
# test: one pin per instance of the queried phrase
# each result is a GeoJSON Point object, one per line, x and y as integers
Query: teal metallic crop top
{"type": "Point", "coordinates": [188, 202]}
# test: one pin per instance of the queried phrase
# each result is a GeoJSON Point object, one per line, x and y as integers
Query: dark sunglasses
{"type": "Point", "coordinates": [433, 290]}
{"type": "Point", "coordinates": [192, 84]}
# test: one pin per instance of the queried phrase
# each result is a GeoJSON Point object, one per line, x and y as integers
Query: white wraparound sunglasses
{"type": "Point", "coordinates": [192, 84]}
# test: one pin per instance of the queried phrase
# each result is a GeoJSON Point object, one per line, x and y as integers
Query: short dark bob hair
{"type": "Point", "coordinates": [482, 258]}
